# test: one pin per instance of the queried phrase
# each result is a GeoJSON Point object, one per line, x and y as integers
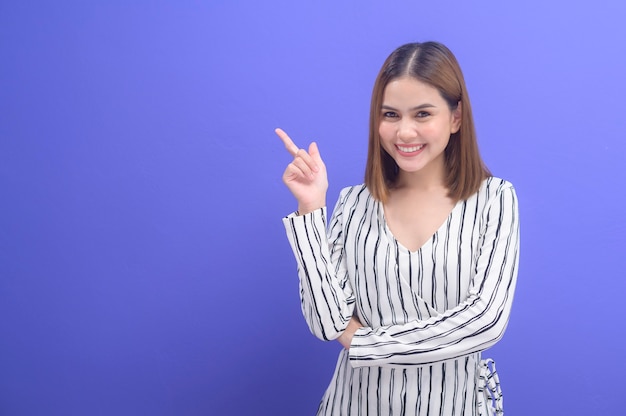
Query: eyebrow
{"type": "Point", "coordinates": [419, 107]}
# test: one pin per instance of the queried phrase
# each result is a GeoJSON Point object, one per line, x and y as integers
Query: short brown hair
{"type": "Point", "coordinates": [434, 64]}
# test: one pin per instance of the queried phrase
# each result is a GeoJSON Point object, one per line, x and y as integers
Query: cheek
{"type": "Point", "coordinates": [386, 131]}
{"type": "Point", "coordinates": [432, 130]}
{"type": "Point", "coordinates": [429, 131]}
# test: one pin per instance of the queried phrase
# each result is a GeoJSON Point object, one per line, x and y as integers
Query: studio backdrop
{"type": "Point", "coordinates": [144, 268]}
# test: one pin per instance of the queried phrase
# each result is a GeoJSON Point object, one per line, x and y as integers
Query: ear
{"type": "Point", "coordinates": [457, 117]}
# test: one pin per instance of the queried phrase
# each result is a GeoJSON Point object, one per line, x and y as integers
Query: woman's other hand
{"type": "Point", "coordinates": [345, 338]}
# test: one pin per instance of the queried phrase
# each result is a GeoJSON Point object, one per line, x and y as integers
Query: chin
{"type": "Point", "coordinates": [412, 168]}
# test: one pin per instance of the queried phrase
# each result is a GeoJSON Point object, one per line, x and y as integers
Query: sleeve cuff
{"type": "Point", "coordinates": [320, 212]}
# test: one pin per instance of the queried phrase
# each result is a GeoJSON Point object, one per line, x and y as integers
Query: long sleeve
{"type": "Point", "coordinates": [326, 295]}
{"type": "Point", "coordinates": [473, 325]}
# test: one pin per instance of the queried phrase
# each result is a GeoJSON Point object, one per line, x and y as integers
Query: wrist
{"type": "Point", "coordinates": [306, 209]}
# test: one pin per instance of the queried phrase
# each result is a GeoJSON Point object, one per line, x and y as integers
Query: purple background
{"type": "Point", "coordinates": [144, 268]}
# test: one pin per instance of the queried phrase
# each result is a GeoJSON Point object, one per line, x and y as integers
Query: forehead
{"type": "Point", "coordinates": [410, 89]}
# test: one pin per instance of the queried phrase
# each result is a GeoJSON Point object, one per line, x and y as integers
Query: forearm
{"type": "Point", "coordinates": [474, 326]}
{"type": "Point", "coordinates": [327, 299]}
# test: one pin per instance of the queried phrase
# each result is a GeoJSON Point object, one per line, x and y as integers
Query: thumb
{"type": "Point", "coordinates": [314, 151]}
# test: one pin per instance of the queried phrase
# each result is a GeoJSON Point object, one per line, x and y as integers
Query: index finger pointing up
{"type": "Point", "coordinates": [289, 144]}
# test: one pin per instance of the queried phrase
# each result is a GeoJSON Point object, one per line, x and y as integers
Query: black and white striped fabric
{"type": "Point", "coordinates": [427, 314]}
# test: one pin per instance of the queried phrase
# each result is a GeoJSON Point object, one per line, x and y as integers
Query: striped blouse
{"type": "Point", "coordinates": [427, 314]}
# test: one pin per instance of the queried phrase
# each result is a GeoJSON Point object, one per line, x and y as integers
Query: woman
{"type": "Point", "coordinates": [415, 272]}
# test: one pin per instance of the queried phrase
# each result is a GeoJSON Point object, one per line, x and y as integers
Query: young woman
{"type": "Point", "coordinates": [415, 272]}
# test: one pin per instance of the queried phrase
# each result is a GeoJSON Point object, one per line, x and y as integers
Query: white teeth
{"type": "Point", "coordinates": [410, 149]}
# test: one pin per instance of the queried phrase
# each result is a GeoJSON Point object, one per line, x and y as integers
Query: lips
{"type": "Point", "coordinates": [410, 150]}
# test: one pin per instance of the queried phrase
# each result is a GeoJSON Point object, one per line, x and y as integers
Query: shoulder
{"type": "Point", "coordinates": [494, 193]}
{"type": "Point", "coordinates": [356, 197]}
{"type": "Point", "coordinates": [493, 187]}
{"type": "Point", "coordinates": [354, 193]}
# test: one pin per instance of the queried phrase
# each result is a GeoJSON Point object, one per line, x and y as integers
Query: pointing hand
{"type": "Point", "coordinates": [305, 176]}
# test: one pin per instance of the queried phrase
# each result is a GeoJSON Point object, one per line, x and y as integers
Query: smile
{"type": "Point", "coordinates": [410, 149]}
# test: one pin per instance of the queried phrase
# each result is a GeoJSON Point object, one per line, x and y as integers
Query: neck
{"type": "Point", "coordinates": [428, 179]}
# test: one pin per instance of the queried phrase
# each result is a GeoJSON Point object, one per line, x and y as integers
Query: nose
{"type": "Point", "coordinates": [407, 131]}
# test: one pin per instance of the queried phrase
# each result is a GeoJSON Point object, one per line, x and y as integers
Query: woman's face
{"type": "Point", "coordinates": [416, 124]}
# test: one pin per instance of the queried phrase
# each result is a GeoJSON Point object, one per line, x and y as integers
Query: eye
{"type": "Point", "coordinates": [390, 114]}
{"type": "Point", "coordinates": [422, 114]}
